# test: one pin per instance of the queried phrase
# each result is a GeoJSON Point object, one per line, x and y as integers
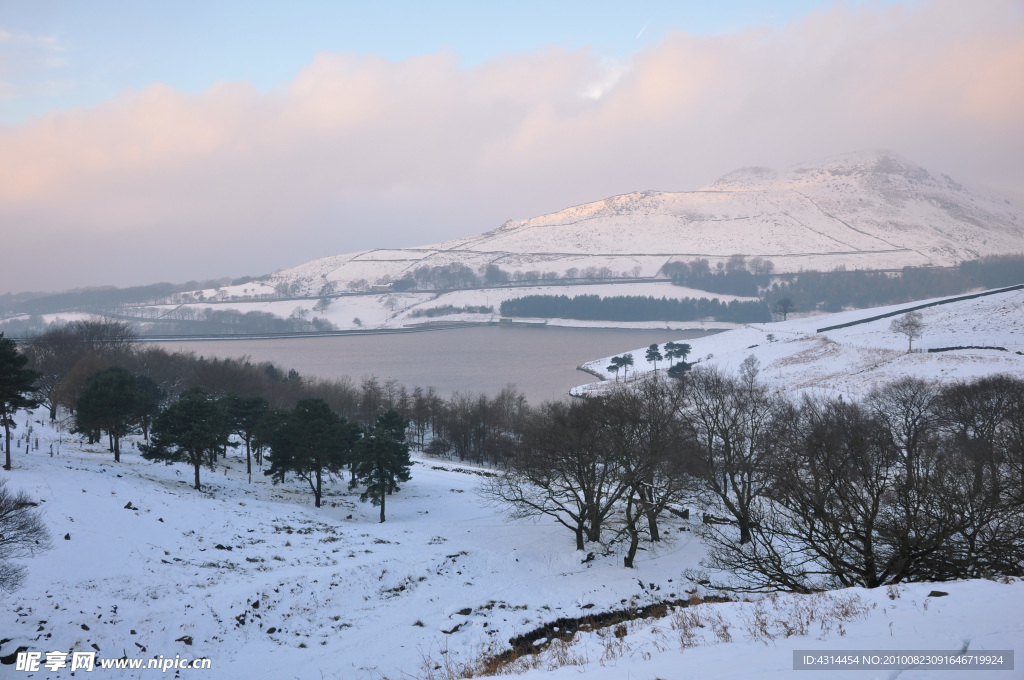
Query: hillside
{"type": "Point", "coordinates": [264, 585]}
{"type": "Point", "coordinates": [794, 355]}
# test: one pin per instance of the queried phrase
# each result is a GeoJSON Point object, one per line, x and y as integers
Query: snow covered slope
{"type": "Point", "coordinates": [255, 579]}
{"type": "Point", "coordinates": [794, 356]}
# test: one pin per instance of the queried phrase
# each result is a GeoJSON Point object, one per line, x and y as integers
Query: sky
{"type": "Point", "coordinates": [153, 141]}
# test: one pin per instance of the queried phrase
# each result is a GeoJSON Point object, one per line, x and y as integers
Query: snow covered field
{"type": "Point", "coordinates": [263, 584]}
{"type": "Point", "coordinates": [852, 360]}
{"type": "Point", "coordinates": [396, 310]}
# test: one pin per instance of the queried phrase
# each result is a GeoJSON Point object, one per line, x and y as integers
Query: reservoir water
{"type": "Point", "coordinates": [541, 361]}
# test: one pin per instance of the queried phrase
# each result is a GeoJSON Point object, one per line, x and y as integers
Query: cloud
{"type": "Point", "coordinates": [358, 152]}
{"type": "Point", "coordinates": [26, 62]}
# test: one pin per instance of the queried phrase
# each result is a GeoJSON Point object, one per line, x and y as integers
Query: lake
{"type": "Point", "coordinates": [540, 361]}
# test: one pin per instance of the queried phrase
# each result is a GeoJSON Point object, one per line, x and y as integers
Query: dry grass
{"type": "Point", "coordinates": [696, 623]}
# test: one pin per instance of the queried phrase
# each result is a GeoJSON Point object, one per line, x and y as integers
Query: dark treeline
{"type": "Point", "coordinates": [917, 481]}
{"type": "Point", "coordinates": [456, 276]}
{"type": "Point", "coordinates": [91, 299]}
{"type": "Point", "coordinates": [635, 308]}
{"type": "Point", "coordinates": [156, 322]}
{"type": "Point", "coordinates": [442, 310]}
{"type": "Point", "coordinates": [832, 291]}
{"type": "Point", "coordinates": [191, 321]}
{"type": "Point", "coordinates": [736, 276]}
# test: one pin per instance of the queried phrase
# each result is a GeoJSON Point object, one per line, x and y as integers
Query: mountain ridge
{"type": "Point", "coordinates": [861, 210]}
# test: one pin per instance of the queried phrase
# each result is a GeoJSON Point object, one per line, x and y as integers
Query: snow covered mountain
{"type": "Point", "coordinates": [867, 210]}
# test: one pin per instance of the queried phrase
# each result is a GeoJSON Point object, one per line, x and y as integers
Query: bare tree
{"type": "Point", "coordinates": [564, 469]}
{"type": "Point", "coordinates": [649, 442]}
{"type": "Point", "coordinates": [22, 534]}
{"type": "Point", "coordinates": [911, 325]}
{"type": "Point", "coordinates": [735, 422]}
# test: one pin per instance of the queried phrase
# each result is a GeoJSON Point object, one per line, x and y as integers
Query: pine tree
{"type": "Point", "coordinates": [188, 430]}
{"type": "Point", "coordinates": [654, 355]}
{"type": "Point", "coordinates": [381, 459]}
{"type": "Point", "coordinates": [244, 415]}
{"type": "Point", "coordinates": [311, 441]}
{"type": "Point", "coordinates": [111, 402]}
{"type": "Point", "coordinates": [17, 389]}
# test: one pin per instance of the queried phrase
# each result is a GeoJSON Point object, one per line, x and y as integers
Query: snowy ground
{"type": "Point", "coordinates": [395, 310]}
{"type": "Point", "coordinates": [267, 586]}
{"type": "Point", "coordinates": [852, 360]}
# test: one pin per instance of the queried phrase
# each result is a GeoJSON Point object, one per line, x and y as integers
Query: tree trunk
{"type": "Point", "coordinates": [317, 493]}
{"type": "Point", "coordinates": [579, 537]}
{"type": "Point", "coordinates": [634, 536]}
{"type": "Point", "coordinates": [382, 507]}
{"type": "Point", "coordinates": [744, 522]}
{"type": "Point", "coordinates": [248, 459]}
{"type": "Point", "coordinates": [53, 410]}
{"type": "Point", "coordinates": [7, 448]}
{"type": "Point", "coordinates": [196, 463]}
{"type": "Point", "coordinates": [117, 448]}
{"type": "Point", "coordinates": [652, 517]}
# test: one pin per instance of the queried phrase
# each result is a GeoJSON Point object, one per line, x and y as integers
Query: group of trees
{"type": "Point", "coordinates": [832, 291]}
{"type": "Point", "coordinates": [917, 481]}
{"type": "Point", "coordinates": [736, 276]}
{"type": "Point", "coordinates": [635, 308]}
{"type": "Point", "coordinates": [94, 374]}
{"type": "Point", "coordinates": [311, 441]}
{"type": "Point", "coordinates": [444, 310]}
{"type": "Point", "coordinates": [455, 276]}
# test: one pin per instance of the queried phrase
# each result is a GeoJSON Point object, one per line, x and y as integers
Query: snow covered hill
{"type": "Point", "coordinates": [868, 210]}
{"type": "Point", "coordinates": [794, 355]}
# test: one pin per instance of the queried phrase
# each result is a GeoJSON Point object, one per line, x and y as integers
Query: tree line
{"type": "Point", "coordinates": [832, 291]}
{"type": "Point", "coordinates": [635, 308]}
{"type": "Point", "coordinates": [916, 481]}
{"type": "Point", "coordinates": [189, 408]}
{"type": "Point", "coordinates": [735, 276]}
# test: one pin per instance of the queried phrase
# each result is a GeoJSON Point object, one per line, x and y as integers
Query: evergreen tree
{"type": "Point", "coordinates": [654, 355]}
{"type": "Point", "coordinates": [381, 458]}
{"type": "Point", "coordinates": [150, 396]}
{"type": "Point", "coordinates": [264, 434]}
{"type": "Point", "coordinates": [627, 361]}
{"type": "Point", "coordinates": [244, 415]}
{"type": "Point", "coordinates": [111, 402]}
{"type": "Point", "coordinates": [676, 350]}
{"type": "Point", "coordinates": [17, 389]}
{"type": "Point", "coordinates": [614, 366]}
{"type": "Point", "coordinates": [188, 430]}
{"type": "Point", "coordinates": [311, 441]}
